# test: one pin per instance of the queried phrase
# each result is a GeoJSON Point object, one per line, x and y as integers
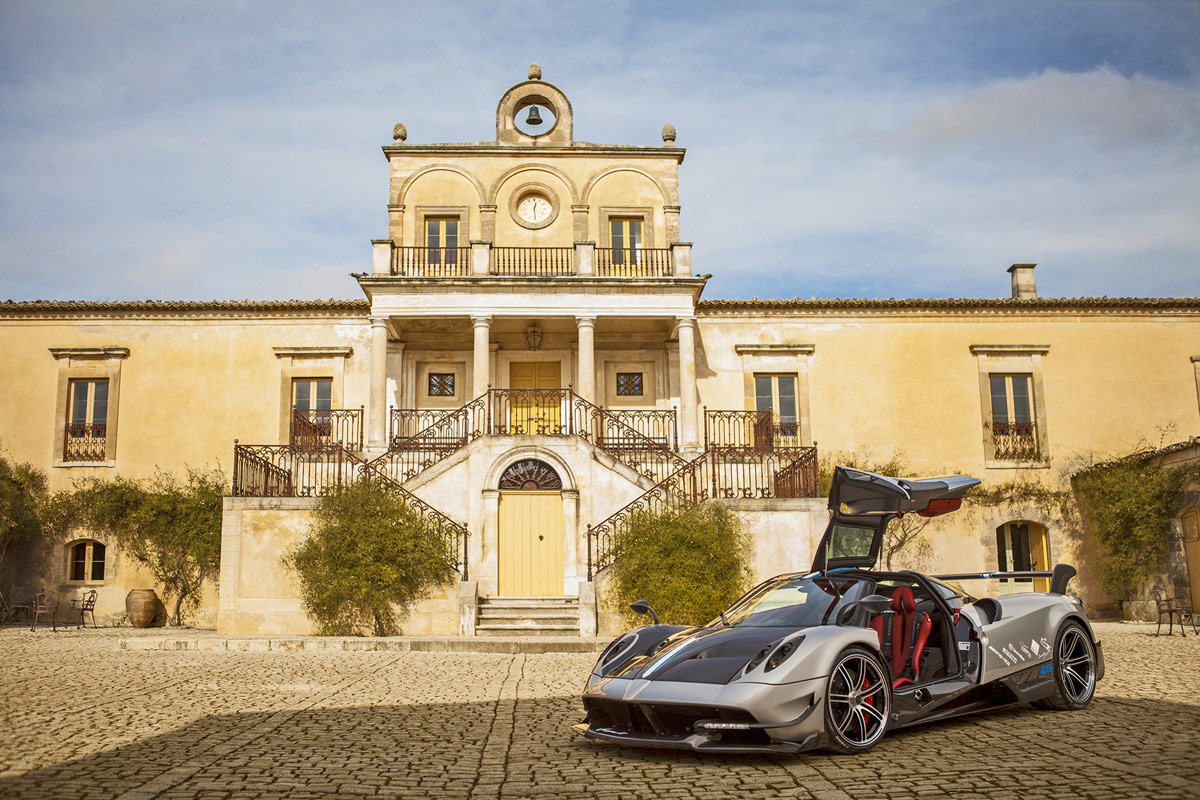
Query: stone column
{"type": "Point", "coordinates": [585, 381]}
{"type": "Point", "coordinates": [487, 221]}
{"type": "Point", "coordinates": [689, 397]}
{"type": "Point", "coordinates": [396, 223]}
{"type": "Point", "coordinates": [377, 424]}
{"type": "Point", "coordinates": [483, 361]}
{"type": "Point", "coordinates": [579, 218]}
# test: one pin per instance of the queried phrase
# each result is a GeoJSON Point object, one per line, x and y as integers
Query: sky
{"type": "Point", "coordinates": [228, 150]}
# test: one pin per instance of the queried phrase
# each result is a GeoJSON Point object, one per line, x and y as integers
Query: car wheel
{"type": "Point", "coordinates": [858, 701]}
{"type": "Point", "coordinates": [1074, 669]}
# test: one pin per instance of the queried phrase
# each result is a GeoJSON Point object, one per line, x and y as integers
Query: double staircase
{"type": "Point", "coordinates": [528, 616]}
{"type": "Point", "coordinates": [746, 455]}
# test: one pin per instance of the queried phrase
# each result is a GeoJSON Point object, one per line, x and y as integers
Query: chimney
{"type": "Point", "coordinates": [1023, 287]}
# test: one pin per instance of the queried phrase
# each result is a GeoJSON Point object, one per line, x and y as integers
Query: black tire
{"type": "Point", "coordinates": [1074, 669]}
{"type": "Point", "coordinates": [858, 701]}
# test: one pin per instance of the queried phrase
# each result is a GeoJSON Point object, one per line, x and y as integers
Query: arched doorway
{"type": "Point", "coordinates": [531, 531]}
{"type": "Point", "coordinates": [1024, 547]}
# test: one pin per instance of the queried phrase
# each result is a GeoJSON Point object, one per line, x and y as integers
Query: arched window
{"type": "Point", "coordinates": [85, 561]}
{"type": "Point", "coordinates": [530, 475]}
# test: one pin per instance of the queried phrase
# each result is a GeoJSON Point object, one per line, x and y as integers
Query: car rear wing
{"type": "Point", "coordinates": [1059, 577]}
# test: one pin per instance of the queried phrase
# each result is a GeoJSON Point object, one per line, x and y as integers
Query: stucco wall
{"type": "Point", "coordinates": [260, 596]}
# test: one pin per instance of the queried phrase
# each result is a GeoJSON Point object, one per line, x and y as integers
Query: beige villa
{"type": "Point", "coordinates": [534, 354]}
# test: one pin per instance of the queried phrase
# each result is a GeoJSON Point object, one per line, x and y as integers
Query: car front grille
{"type": "Point", "coordinates": [656, 719]}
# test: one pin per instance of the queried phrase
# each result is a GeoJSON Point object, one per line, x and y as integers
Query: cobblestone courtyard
{"type": "Point", "coordinates": [83, 719]}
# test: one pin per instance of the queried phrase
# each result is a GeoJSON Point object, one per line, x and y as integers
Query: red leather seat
{"type": "Point", "coordinates": [902, 636]}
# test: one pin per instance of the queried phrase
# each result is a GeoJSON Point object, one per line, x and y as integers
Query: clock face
{"type": "Point", "coordinates": [533, 206]}
{"type": "Point", "coordinates": [534, 209]}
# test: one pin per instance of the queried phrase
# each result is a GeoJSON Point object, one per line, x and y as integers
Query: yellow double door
{"type": "Point", "coordinates": [535, 412]}
{"type": "Point", "coordinates": [531, 544]}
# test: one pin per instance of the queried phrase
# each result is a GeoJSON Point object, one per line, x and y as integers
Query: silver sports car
{"type": "Point", "coordinates": [838, 656]}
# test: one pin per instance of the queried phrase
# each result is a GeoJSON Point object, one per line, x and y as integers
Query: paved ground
{"type": "Point", "coordinates": [84, 719]}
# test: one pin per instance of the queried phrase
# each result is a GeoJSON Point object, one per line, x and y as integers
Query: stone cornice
{"type": "Point", "coordinates": [491, 148]}
{"type": "Point", "coordinates": [98, 353]}
{"type": "Point", "coordinates": [50, 309]}
{"type": "Point", "coordinates": [774, 349]}
{"type": "Point", "coordinates": [1009, 349]}
{"type": "Point", "coordinates": [313, 352]}
{"type": "Point", "coordinates": [1052, 305]}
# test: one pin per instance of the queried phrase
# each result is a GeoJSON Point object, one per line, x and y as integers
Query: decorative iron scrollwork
{"type": "Point", "coordinates": [530, 475]}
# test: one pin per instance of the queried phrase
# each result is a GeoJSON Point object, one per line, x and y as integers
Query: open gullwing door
{"type": "Point", "coordinates": [861, 504]}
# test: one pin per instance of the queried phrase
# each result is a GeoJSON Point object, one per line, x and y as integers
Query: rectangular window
{"type": "Point", "coordinates": [97, 561]}
{"type": "Point", "coordinates": [441, 384]}
{"type": "Point", "coordinates": [629, 384]}
{"type": "Point", "coordinates": [625, 239]}
{"type": "Point", "coordinates": [312, 394]}
{"type": "Point", "coordinates": [775, 402]}
{"type": "Point", "coordinates": [1014, 432]}
{"type": "Point", "coordinates": [87, 420]}
{"type": "Point", "coordinates": [441, 239]}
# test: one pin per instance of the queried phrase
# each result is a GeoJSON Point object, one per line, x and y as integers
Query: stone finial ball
{"type": "Point", "coordinates": [399, 133]}
{"type": "Point", "coordinates": [668, 132]}
{"type": "Point", "coordinates": [535, 72]}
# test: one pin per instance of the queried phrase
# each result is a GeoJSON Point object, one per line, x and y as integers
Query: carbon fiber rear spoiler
{"type": "Point", "coordinates": [1059, 578]}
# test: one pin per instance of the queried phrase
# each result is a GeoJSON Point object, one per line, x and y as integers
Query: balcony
{"type": "Point", "coordinates": [482, 260]}
{"type": "Point", "coordinates": [1015, 441]}
{"type": "Point", "coordinates": [616, 262]}
{"type": "Point", "coordinates": [324, 427]}
{"type": "Point", "coordinates": [85, 442]}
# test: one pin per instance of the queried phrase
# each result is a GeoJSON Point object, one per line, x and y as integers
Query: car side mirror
{"type": "Point", "coordinates": [642, 607]}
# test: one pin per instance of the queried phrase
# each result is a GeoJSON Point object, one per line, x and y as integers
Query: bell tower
{"type": "Point", "coordinates": [534, 113]}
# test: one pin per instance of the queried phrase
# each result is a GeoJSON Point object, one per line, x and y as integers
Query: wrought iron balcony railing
{"type": "Point", "coordinates": [1015, 441]}
{"type": "Point", "coordinates": [328, 426]}
{"type": "Point", "coordinates": [85, 442]}
{"type": "Point", "coordinates": [756, 429]}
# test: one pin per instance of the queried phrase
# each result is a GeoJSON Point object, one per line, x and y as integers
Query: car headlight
{"type": "Point", "coordinates": [759, 657]}
{"type": "Point", "coordinates": [782, 652]}
{"type": "Point", "coordinates": [615, 651]}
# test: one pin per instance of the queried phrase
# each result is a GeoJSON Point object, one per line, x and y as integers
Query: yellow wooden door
{"type": "Point", "coordinates": [1039, 556]}
{"type": "Point", "coordinates": [1191, 548]}
{"type": "Point", "coordinates": [531, 544]}
{"type": "Point", "coordinates": [535, 412]}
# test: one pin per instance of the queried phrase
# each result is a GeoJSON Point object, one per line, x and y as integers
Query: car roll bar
{"type": "Point", "coordinates": [1059, 577]}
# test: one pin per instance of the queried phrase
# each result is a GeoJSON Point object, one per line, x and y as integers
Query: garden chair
{"type": "Point", "coordinates": [19, 600]}
{"type": "Point", "coordinates": [85, 605]}
{"type": "Point", "coordinates": [45, 603]}
{"type": "Point", "coordinates": [1172, 608]}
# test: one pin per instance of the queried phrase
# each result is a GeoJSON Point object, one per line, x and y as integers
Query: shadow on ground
{"type": "Point", "coordinates": [526, 749]}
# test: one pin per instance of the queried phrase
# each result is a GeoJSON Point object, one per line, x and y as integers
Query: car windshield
{"type": "Point", "coordinates": [797, 602]}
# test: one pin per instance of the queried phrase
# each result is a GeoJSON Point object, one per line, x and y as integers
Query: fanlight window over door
{"type": "Point", "coordinates": [530, 475]}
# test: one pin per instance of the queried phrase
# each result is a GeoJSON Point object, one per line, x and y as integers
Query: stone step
{"type": "Point", "coordinates": [531, 622]}
{"type": "Point", "coordinates": [496, 629]}
{"type": "Point", "coordinates": [559, 607]}
{"type": "Point", "coordinates": [535, 600]}
{"type": "Point", "coordinates": [538, 613]}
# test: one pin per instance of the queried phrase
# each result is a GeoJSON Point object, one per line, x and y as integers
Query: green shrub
{"type": "Point", "coordinates": [689, 565]}
{"type": "Point", "coordinates": [368, 553]}
{"type": "Point", "coordinates": [1127, 506]}
{"type": "Point", "coordinates": [23, 502]}
{"type": "Point", "coordinates": [171, 527]}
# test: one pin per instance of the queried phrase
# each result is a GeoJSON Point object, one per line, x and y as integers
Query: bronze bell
{"type": "Point", "coordinates": [534, 117]}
